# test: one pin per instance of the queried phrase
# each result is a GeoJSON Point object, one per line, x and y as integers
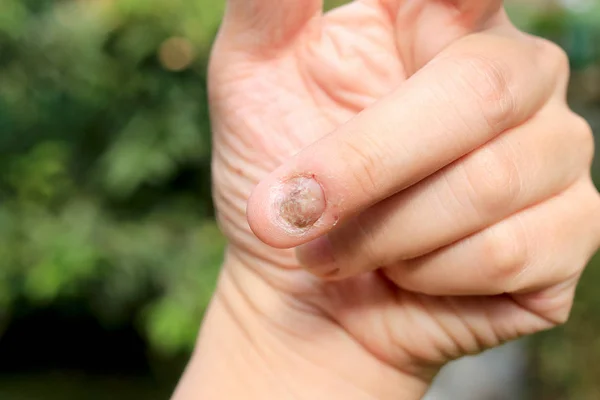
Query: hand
{"type": "Point", "coordinates": [423, 157]}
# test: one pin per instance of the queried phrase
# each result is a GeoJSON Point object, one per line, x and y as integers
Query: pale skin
{"type": "Point", "coordinates": [450, 181]}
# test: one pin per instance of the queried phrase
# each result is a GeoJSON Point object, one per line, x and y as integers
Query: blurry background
{"type": "Point", "coordinates": [108, 248]}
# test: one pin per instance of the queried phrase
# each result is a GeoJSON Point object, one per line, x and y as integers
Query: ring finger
{"type": "Point", "coordinates": [537, 248]}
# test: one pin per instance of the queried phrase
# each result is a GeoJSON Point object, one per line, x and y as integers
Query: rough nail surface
{"type": "Point", "coordinates": [301, 202]}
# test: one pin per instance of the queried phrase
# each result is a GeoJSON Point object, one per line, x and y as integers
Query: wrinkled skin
{"type": "Point", "coordinates": [270, 99]}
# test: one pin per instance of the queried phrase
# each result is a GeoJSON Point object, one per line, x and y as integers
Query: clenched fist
{"type": "Point", "coordinates": [401, 182]}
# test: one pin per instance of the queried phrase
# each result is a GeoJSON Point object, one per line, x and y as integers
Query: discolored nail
{"type": "Point", "coordinates": [300, 202]}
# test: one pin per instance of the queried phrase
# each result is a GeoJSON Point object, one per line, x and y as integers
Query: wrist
{"type": "Point", "coordinates": [255, 344]}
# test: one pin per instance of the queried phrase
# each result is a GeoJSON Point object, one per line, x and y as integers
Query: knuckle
{"type": "Point", "coordinates": [552, 55]}
{"type": "Point", "coordinates": [489, 81]}
{"type": "Point", "coordinates": [554, 304]}
{"type": "Point", "coordinates": [596, 214]}
{"type": "Point", "coordinates": [506, 249]}
{"type": "Point", "coordinates": [562, 315]}
{"type": "Point", "coordinates": [494, 179]}
{"type": "Point", "coordinates": [582, 136]}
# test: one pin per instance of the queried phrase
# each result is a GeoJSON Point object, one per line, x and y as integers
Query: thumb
{"type": "Point", "coordinates": [259, 24]}
{"type": "Point", "coordinates": [428, 27]}
{"type": "Point", "coordinates": [464, 12]}
{"type": "Point", "coordinates": [477, 11]}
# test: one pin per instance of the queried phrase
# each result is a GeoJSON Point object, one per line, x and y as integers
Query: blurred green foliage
{"type": "Point", "coordinates": [105, 154]}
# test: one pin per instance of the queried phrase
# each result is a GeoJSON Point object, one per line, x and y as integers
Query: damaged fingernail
{"type": "Point", "coordinates": [300, 202]}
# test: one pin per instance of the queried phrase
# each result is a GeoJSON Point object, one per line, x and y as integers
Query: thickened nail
{"type": "Point", "coordinates": [301, 202]}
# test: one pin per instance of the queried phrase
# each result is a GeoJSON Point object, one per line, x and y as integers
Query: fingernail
{"type": "Point", "coordinates": [300, 202]}
{"type": "Point", "coordinates": [317, 257]}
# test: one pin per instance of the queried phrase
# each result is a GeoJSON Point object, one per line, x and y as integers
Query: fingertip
{"type": "Point", "coordinates": [257, 214]}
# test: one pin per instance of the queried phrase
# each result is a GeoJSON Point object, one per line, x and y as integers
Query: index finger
{"type": "Point", "coordinates": [471, 93]}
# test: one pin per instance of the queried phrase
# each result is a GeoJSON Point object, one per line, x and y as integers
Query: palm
{"type": "Point", "coordinates": [265, 110]}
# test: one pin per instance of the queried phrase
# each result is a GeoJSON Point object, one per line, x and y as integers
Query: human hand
{"type": "Point", "coordinates": [441, 183]}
